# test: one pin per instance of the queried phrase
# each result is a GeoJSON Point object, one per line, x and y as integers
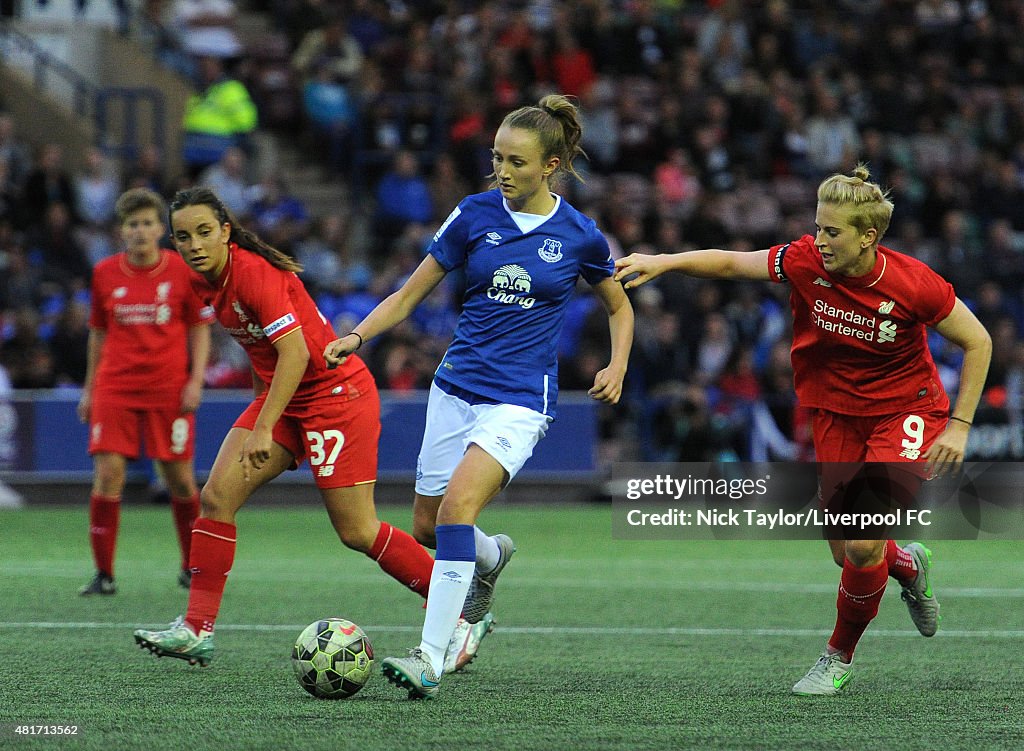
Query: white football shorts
{"type": "Point", "coordinates": [507, 432]}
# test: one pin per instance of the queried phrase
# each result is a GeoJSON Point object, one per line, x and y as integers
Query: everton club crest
{"type": "Point", "coordinates": [551, 250]}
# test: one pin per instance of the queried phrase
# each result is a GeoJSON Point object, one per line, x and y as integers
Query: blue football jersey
{"type": "Point", "coordinates": [518, 285]}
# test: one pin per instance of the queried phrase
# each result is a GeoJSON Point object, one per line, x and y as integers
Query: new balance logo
{"type": "Point", "coordinates": [326, 470]}
{"type": "Point", "coordinates": [493, 238]}
{"type": "Point", "coordinates": [822, 282]}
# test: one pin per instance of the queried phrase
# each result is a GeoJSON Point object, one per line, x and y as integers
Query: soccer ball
{"type": "Point", "coordinates": [332, 658]}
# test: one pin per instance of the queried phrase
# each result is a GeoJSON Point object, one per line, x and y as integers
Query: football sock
{"type": "Point", "coordinates": [449, 584]}
{"type": "Point", "coordinates": [104, 517]}
{"type": "Point", "coordinates": [213, 552]}
{"type": "Point", "coordinates": [186, 511]}
{"type": "Point", "coordinates": [487, 551]}
{"type": "Point", "coordinates": [901, 563]}
{"type": "Point", "coordinates": [860, 591]}
{"type": "Point", "coordinates": [399, 555]}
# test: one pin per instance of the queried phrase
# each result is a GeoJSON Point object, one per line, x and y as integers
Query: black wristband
{"type": "Point", "coordinates": [354, 333]}
{"type": "Point", "coordinates": [960, 419]}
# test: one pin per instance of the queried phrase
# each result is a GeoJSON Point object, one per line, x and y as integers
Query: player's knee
{"type": "Point", "coordinates": [214, 504]}
{"type": "Point", "coordinates": [839, 558]}
{"type": "Point", "coordinates": [358, 537]}
{"type": "Point", "coordinates": [180, 484]}
{"type": "Point", "coordinates": [109, 481]}
{"type": "Point", "coordinates": [423, 532]}
{"type": "Point", "coordinates": [863, 553]}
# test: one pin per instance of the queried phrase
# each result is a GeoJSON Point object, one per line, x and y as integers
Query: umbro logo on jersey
{"type": "Point", "coordinates": [822, 282]}
{"type": "Point", "coordinates": [493, 238]}
{"type": "Point", "coordinates": [885, 308]}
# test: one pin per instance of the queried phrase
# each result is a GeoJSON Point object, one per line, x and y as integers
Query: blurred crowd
{"type": "Point", "coordinates": [707, 124]}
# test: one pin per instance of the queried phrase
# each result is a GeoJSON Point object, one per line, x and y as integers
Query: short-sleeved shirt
{"type": "Point", "coordinates": [860, 343]}
{"type": "Point", "coordinates": [146, 313]}
{"type": "Point", "coordinates": [257, 304]}
{"type": "Point", "coordinates": [518, 284]}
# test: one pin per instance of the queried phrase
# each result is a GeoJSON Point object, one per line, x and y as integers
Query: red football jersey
{"type": "Point", "coordinates": [860, 344]}
{"type": "Point", "coordinates": [258, 303]}
{"type": "Point", "coordinates": [146, 314]}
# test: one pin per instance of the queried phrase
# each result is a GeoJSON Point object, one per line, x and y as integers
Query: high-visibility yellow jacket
{"type": "Point", "coordinates": [223, 109]}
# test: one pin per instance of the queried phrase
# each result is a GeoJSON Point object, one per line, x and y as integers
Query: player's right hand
{"type": "Point", "coordinates": [642, 267]}
{"type": "Point", "coordinates": [84, 406]}
{"type": "Point", "coordinates": [338, 351]}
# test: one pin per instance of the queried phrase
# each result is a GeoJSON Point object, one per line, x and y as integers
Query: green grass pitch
{"type": "Point", "coordinates": [600, 644]}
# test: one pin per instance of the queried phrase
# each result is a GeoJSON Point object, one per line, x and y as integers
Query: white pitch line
{"type": "Point", "coordinates": [561, 630]}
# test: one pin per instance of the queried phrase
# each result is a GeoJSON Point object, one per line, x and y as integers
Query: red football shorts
{"type": "Point", "coordinates": [892, 447]}
{"type": "Point", "coordinates": [168, 435]}
{"type": "Point", "coordinates": [338, 432]}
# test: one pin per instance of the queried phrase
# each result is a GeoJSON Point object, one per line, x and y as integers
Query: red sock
{"type": "Point", "coordinates": [399, 554]}
{"type": "Point", "coordinates": [860, 591]}
{"type": "Point", "coordinates": [213, 552]}
{"type": "Point", "coordinates": [186, 511]}
{"type": "Point", "coordinates": [901, 564]}
{"type": "Point", "coordinates": [104, 517]}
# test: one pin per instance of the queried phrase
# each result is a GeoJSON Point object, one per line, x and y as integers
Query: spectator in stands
{"type": "Point", "coordinates": [148, 171]}
{"type": "Point", "coordinates": [13, 152]}
{"type": "Point", "coordinates": [220, 115]}
{"type": "Point", "coordinates": [403, 197]}
{"type": "Point", "coordinates": [53, 247]}
{"type": "Point", "coordinates": [206, 28]}
{"type": "Point", "coordinates": [278, 216]}
{"type": "Point", "coordinates": [47, 184]}
{"type": "Point", "coordinates": [228, 177]}
{"type": "Point", "coordinates": [70, 343]}
{"type": "Point", "coordinates": [97, 186]}
{"type": "Point", "coordinates": [329, 49]}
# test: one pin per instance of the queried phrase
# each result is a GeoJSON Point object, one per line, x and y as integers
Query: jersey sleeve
{"type": "Point", "coordinates": [450, 242]}
{"type": "Point", "coordinates": [268, 295]}
{"type": "Point", "coordinates": [935, 297]}
{"type": "Point", "coordinates": [596, 263]}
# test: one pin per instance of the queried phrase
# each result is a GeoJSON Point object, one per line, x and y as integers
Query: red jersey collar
{"type": "Point", "coordinates": [153, 270]}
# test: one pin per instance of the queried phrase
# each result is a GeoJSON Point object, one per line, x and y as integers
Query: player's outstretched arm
{"type": "Point", "coordinates": [608, 382]}
{"type": "Point", "coordinates": [640, 268]}
{"type": "Point", "coordinates": [391, 311]}
{"type": "Point", "coordinates": [963, 329]}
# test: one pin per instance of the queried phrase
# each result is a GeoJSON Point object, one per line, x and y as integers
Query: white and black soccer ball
{"type": "Point", "coordinates": [332, 658]}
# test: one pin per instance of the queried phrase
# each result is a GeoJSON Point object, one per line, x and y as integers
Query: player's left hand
{"type": "Point", "coordinates": [191, 396]}
{"type": "Point", "coordinates": [255, 452]}
{"type": "Point", "coordinates": [608, 385]}
{"type": "Point", "coordinates": [338, 351]}
{"type": "Point", "coordinates": [946, 455]}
